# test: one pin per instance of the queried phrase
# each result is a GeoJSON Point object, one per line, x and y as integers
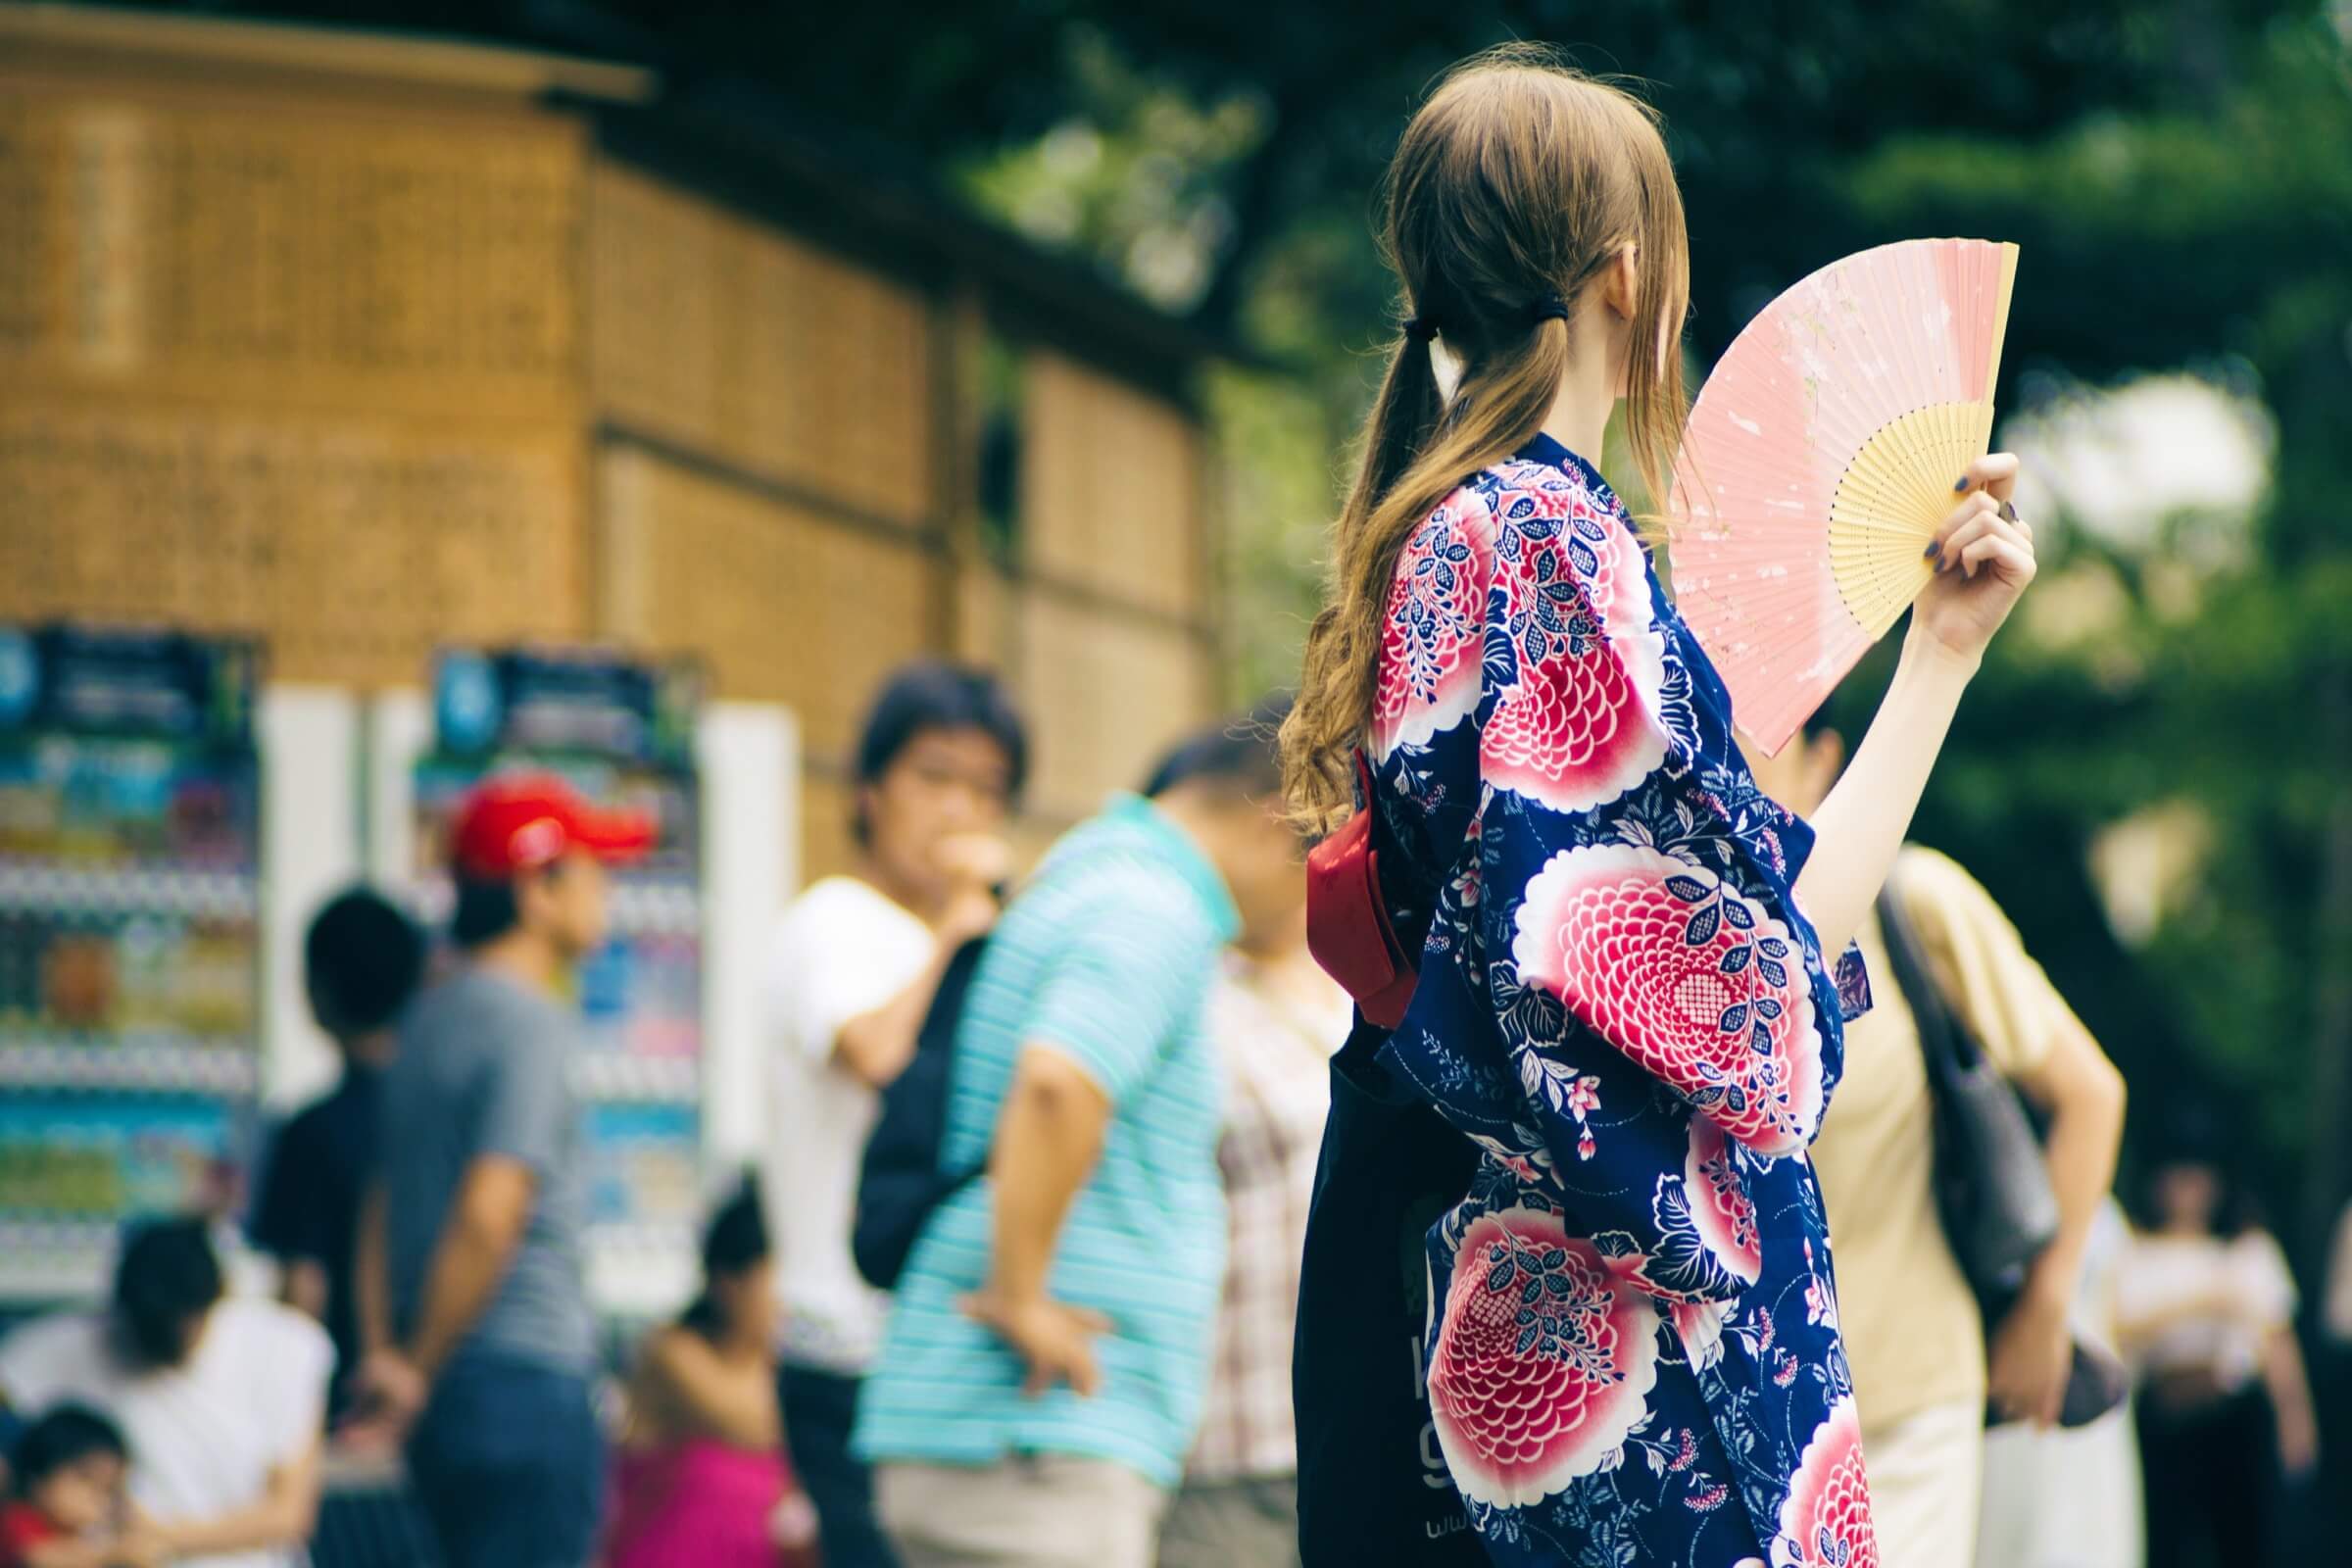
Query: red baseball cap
{"type": "Point", "coordinates": [521, 821]}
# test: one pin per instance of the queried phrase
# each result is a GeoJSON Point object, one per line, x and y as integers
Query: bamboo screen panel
{"type": "Point", "coordinates": [1105, 695]}
{"type": "Point", "coordinates": [741, 343]}
{"type": "Point", "coordinates": [355, 548]}
{"type": "Point", "coordinates": [785, 605]}
{"type": "Point", "coordinates": [1111, 488]}
{"type": "Point", "coordinates": [285, 250]}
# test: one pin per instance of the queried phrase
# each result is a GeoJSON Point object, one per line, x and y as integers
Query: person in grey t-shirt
{"type": "Point", "coordinates": [480, 1342]}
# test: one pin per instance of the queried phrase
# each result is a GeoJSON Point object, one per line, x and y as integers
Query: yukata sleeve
{"type": "Point", "coordinates": [1615, 883]}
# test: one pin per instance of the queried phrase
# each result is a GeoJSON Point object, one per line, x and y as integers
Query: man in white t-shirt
{"type": "Point", "coordinates": [856, 961]}
{"type": "Point", "coordinates": [223, 1400]}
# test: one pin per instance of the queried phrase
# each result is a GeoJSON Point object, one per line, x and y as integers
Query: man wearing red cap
{"type": "Point", "coordinates": [482, 1340]}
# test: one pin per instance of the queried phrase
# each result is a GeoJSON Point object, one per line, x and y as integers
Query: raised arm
{"type": "Point", "coordinates": [1985, 562]}
{"type": "Point", "coordinates": [824, 992]}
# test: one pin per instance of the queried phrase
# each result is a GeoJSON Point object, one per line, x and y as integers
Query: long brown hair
{"type": "Point", "coordinates": [1516, 185]}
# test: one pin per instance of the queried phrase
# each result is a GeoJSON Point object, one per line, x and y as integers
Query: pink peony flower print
{"type": "Point", "coordinates": [1694, 981]}
{"type": "Point", "coordinates": [1825, 1520]}
{"type": "Point", "coordinates": [1579, 726]}
{"type": "Point", "coordinates": [1434, 636]}
{"type": "Point", "coordinates": [1542, 1364]}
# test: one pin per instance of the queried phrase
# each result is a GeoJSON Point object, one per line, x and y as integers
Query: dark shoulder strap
{"type": "Point", "coordinates": [1941, 1036]}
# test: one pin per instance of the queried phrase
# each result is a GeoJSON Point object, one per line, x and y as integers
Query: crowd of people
{"type": "Point", "coordinates": [1605, 968]}
{"type": "Point", "coordinates": [1086, 1356]}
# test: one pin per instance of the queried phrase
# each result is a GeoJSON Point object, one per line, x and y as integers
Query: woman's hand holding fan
{"type": "Point", "coordinates": [1815, 483]}
{"type": "Point", "coordinates": [1983, 557]}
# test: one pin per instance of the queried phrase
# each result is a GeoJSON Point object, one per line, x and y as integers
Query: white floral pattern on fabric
{"type": "Point", "coordinates": [1694, 982]}
{"type": "Point", "coordinates": [1580, 724]}
{"type": "Point", "coordinates": [1430, 649]}
{"type": "Point", "coordinates": [1544, 1364]}
{"type": "Point", "coordinates": [1699, 1326]}
{"type": "Point", "coordinates": [1825, 1523]}
{"type": "Point", "coordinates": [1720, 1206]}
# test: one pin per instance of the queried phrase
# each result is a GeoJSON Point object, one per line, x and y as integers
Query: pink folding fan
{"type": "Point", "coordinates": [1819, 461]}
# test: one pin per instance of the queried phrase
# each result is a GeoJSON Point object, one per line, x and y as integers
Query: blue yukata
{"type": "Point", "coordinates": [1633, 1355]}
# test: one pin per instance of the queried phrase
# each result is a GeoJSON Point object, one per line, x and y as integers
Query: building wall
{"type": "Point", "coordinates": [370, 367]}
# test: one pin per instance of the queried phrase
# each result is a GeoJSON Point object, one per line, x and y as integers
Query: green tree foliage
{"type": "Point", "coordinates": [2177, 172]}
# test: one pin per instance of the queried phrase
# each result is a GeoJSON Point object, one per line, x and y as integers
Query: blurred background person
{"type": "Point", "coordinates": [1276, 1019]}
{"type": "Point", "coordinates": [1914, 1332]}
{"type": "Point", "coordinates": [2069, 1498]}
{"type": "Point", "coordinates": [361, 960]}
{"type": "Point", "coordinates": [856, 961]}
{"type": "Point", "coordinates": [699, 1482]}
{"type": "Point", "coordinates": [1040, 1374]}
{"type": "Point", "coordinates": [2205, 1309]}
{"type": "Point", "coordinates": [220, 1399]}
{"type": "Point", "coordinates": [68, 1504]}
{"type": "Point", "coordinates": [482, 1345]}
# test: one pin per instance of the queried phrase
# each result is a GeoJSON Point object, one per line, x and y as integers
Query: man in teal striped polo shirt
{"type": "Point", "coordinates": [1041, 1376]}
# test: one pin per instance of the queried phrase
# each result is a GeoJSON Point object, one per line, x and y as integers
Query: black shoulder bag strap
{"type": "Point", "coordinates": [1992, 1187]}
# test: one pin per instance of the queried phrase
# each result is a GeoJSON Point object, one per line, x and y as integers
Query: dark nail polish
{"type": "Point", "coordinates": [1929, 553]}
{"type": "Point", "coordinates": [1960, 484]}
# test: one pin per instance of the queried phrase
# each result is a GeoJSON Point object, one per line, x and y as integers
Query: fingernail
{"type": "Point", "coordinates": [1960, 484]}
{"type": "Point", "coordinates": [1929, 553]}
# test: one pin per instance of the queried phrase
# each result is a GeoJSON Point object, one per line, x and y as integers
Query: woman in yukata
{"type": "Point", "coordinates": [1633, 1355]}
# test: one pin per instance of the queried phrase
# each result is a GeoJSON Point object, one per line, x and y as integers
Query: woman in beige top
{"type": "Point", "coordinates": [1922, 1370]}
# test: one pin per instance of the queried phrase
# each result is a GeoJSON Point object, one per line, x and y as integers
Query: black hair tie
{"type": "Point", "coordinates": [1421, 329]}
{"type": "Point", "coordinates": [1550, 308]}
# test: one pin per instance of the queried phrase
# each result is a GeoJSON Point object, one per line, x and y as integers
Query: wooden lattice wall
{"type": "Point", "coordinates": [367, 370]}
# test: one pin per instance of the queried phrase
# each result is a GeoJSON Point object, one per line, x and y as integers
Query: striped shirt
{"type": "Point", "coordinates": [1276, 1029]}
{"type": "Point", "coordinates": [1107, 956]}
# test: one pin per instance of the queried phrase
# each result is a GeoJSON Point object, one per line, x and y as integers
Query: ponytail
{"type": "Point", "coordinates": [1514, 187]}
{"type": "Point", "coordinates": [1415, 453]}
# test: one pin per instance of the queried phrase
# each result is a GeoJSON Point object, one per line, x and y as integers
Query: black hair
{"type": "Point", "coordinates": [2190, 1135]}
{"type": "Point", "coordinates": [63, 1435]}
{"type": "Point", "coordinates": [1240, 753]}
{"type": "Point", "coordinates": [933, 694]}
{"type": "Point", "coordinates": [361, 960]}
{"type": "Point", "coordinates": [484, 912]}
{"type": "Point", "coordinates": [737, 1240]}
{"type": "Point", "coordinates": [168, 1275]}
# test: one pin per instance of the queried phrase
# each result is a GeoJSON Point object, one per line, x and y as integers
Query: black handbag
{"type": "Point", "coordinates": [1992, 1189]}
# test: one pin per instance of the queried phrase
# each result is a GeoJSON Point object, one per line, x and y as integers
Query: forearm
{"type": "Point", "coordinates": [371, 1294]}
{"type": "Point", "coordinates": [2079, 1152]}
{"type": "Point", "coordinates": [1047, 1144]}
{"type": "Point", "coordinates": [302, 1285]}
{"type": "Point", "coordinates": [465, 1271]}
{"type": "Point", "coordinates": [875, 1047]}
{"type": "Point", "coordinates": [2283, 1377]}
{"type": "Point", "coordinates": [1860, 827]}
{"type": "Point", "coordinates": [72, 1551]}
{"type": "Point", "coordinates": [284, 1516]}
